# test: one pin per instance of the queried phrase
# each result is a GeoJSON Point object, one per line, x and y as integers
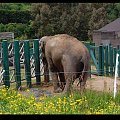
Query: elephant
{"type": "Point", "coordinates": [67, 59]}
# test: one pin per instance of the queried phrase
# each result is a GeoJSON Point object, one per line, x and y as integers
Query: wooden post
{"type": "Point", "coordinates": [111, 60]}
{"type": "Point", "coordinates": [114, 61]}
{"type": "Point", "coordinates": [101, 60]}
{"type": "Point", "coordinates": [6, 78]}
{"type": "Point", "coordinates": [106, 60]}
{"type": "Point", "coordinates": [17, 64]}
{"type": "Point", "coordinates": [118, 63]}
{"type": "Point", "coordinates": [27, 62]}
{"type": "Point", "coordinates": [37, 61]}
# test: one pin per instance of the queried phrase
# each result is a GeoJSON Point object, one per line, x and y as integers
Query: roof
{"type": "Point", "coordinates": [113, 26]}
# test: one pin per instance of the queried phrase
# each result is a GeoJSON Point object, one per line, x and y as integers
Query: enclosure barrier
{"type": "Point", "coordinates": [27, 63]}
{"type": "Point", "coordinates": [5, 63]}
{"type": "Point", "coordinates": [27, 58]}
{"type": "Point", "coordinates": [17, 64]}
{"type": "Point", "coordinates": [103, 57]}
{"type": "Point", "coordinates": [37, 61]}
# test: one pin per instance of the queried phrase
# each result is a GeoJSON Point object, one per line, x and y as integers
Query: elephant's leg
{"type": "Point", "coordinates": [62, 80]}
{"type": "Point", "coordinates": [83, 82]}
{"type": "Point", "coordinates": [54, 76]}
{"type": "Point", "coordinates": [46, 74]}
{"type": "Point", "coordinates": [69, 77]}
{"type": "Point", "coordinates": [69, 74]}
{"type": "Point", "coordinates": [46, 71]}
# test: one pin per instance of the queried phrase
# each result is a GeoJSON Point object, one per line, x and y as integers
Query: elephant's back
{"type": "Point", "coordinates": [64, 40]}
{"type": "Point", "coordinates": [70, 44]}
{"type": "Point", "coordinates": [66, 44]}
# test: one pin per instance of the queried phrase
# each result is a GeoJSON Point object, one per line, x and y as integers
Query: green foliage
{"type": "Point", "coordinates": [91, 102]}
{"type": "Point", "coordinates": [113, 11]}
{"type": "Point", "coordinates": [56, 18]}
{"type": "Point", "coordinates": [98, 17]}
{"type": "Point", "coordinates": [76, 19]}
{"type": "Point", "coordinates": [2, 28]}
{"type": "Point", "coordinates": [15, 6]}
{"type": "Point", "coordinates": [16, 17]}
{"type": "Point", "coordinates": [8, 16]}
{"type": "Point", "coordinates": [21, 31]}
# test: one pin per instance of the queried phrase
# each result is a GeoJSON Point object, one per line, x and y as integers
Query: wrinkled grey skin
{"type": "Point", "coordinates": [66, 58]}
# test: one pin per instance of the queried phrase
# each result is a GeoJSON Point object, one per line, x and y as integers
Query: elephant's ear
{"type": "Point", "coordinates": [43, 43]}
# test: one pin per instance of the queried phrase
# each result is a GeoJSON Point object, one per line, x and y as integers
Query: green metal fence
{"type": "Point", "coordinates": [103, 58]}
{"type": "Point", "coordinates": [26, 61]}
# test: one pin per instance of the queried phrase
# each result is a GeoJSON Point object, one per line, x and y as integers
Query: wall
{"type": "Point", "coordinates": [97, 37]}
{"type": "Point", "coordinates": [109, 37]}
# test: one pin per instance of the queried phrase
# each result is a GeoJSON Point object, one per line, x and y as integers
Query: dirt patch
{"type": "Point", "coordinates": [97, 83]}
{"type": "Point", "coordinates": [102, 83]}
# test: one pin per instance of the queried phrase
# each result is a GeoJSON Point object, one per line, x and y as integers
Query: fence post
{"type": "Point", "coordinates": [106, 60]}
{"type": "Point", "coordinates": [17, 64]}
{"type": "Point", "coordinates": [37, 61]}
{"type": "Point", "coordinates": [118, 47]}
{"type": "Point", "coordinates": [93, 44]}
{"type": "Point", "coordinates": [111, 60]}
{"type": "Point", "coordinates": [114, 53]}
{"type": "Point", "coordinates": [87, 44]}
{"type": "Point", "coordinates": [27, 62]}
{"type": "Point", "coordinates": [118, 63]}
{"type": "Point", "coordinates": [5, 60]}
{"type": "Point", "coordinates": [101, 60]}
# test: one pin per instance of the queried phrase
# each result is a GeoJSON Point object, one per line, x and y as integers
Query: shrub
{"type": "Point", "coordinates": [21, 31]}
{"type": "Point", "coordinates": [12, 16]}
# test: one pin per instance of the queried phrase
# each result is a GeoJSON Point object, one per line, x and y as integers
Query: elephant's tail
{"type": "Point", "coordinates": [86, 68]}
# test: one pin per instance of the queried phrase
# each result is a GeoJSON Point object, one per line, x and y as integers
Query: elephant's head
{"type": "Point", "coordinates": [43, 41]}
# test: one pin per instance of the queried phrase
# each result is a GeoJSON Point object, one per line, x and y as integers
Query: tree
{"type": "Point", "coordinates": [56, 18]}
{"type": "Point", "coordinates": [76, 19]}
{"type": "Point", "coordinates": [98, 17]}
{"type": "Point", "coordinates": [113, 11]}
{"type": "Point", "coordinates": [15, 6]}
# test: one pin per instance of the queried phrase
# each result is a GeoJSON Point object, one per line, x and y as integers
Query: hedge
{"type": "Point", "coordinates": [10, 16]}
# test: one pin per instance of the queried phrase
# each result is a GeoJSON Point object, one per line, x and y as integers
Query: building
{"type": "Point", "coordinates": [6, 35]}
{"type": "Point", "coordinates": [109, 34]}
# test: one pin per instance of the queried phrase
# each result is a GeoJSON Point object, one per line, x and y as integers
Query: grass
{"type": "Point", "coordinates": [90, 102]}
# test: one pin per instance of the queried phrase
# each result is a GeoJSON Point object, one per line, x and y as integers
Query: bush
{"type": "Point", "coordinates": [21, 31]}
{"type": "Point", "coordinates": [12, 16]}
